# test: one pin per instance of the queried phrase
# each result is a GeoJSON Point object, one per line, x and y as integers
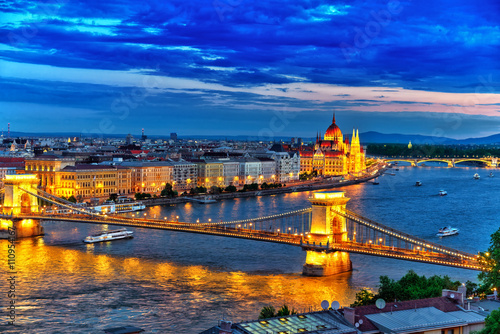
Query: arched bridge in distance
{"type": "Point", "coordinates": [451, 162]}
{"type": "Point", "coordinates": [328, 231]}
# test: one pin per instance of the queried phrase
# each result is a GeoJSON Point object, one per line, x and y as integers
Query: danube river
{"type": "Point", "coordinates": [172, 282]}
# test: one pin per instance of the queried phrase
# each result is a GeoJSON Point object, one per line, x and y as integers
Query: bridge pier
{"type": "Point", "coordinates": [327, 228]}
{"type": "Point", "coordinates": [20, 228]}
{"type": "Point", "coordinates": [326, 264]}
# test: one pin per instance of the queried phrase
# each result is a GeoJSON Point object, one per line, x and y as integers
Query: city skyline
{"type": "Point", "coordinates": [255, 69]}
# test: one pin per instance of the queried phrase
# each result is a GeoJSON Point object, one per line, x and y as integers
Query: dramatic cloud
{"type": "Point", "coordinates": [232, 65]}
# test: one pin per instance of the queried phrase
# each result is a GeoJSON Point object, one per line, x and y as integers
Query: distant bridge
{"type": "Point", "coordinates": [451, 162]}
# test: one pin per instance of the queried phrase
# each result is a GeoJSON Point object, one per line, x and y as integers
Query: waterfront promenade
{"type": "Point", "coordinates": [300, 186]}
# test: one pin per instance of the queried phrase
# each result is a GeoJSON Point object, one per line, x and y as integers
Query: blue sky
{"type": "Point", "coordinates": [255, 68]}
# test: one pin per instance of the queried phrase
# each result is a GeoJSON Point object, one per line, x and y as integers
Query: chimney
{"type": "Point", "coordinates": [225, 327]}
{"type": "Point", "coordinates": [350, 314]}
{"type": "Point", "coordinates": [459, 295]}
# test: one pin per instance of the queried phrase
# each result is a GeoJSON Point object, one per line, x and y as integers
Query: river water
{"type": "Point", "coordinates": [173, 282]}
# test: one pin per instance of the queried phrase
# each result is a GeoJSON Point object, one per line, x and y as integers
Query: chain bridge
{"type": "Point", "coordinates": [327, 231]}
{"type": "Point", "coordinates": [452, 162]}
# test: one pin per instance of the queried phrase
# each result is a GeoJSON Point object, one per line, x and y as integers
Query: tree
{"type": "Point", "coordinates": [72, 199]}
{"type": "Point", "coordinates": [410, 286]}
{"type": "Point", "coordinates": [490, 261]}
{"type": "Point", "coordinates": [113, 197]}
{"type": "Point", "coordinates": [168, 191]}
{"type": "Point", "coordinates": [492, 323]}
{"type": "Point", "coordinates": [267, 312]}
{"type": "Point", "coordinates": [363, 297]}
{"type": "Point", "coordinates": [471, 288]}
{"type": "Point", "coordinates": [284, 310]}
{"type": "Point", "coordinates": [230, 189]}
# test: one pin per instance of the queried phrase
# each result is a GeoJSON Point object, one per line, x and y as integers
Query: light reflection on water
{"type": "Point", "coordinates": [171, 282]}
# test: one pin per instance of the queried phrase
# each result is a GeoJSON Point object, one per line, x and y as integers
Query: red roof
{"type": "Point", "coordinates": [9, 159]}
{"type": "Point", "coordinates": [444, 304]}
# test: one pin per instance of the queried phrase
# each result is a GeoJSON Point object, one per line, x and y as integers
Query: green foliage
{"type": "Point", "coordinates": [139, 196]}
{"type": "Point", "coordinates": [168, 191]}
{"type": "Point", "coordinates": [270, 312]}
{"type": "Point", "coordinates": [492, 323]}
{"type": "Point", "coordinates": [267, 312]}
{"type": "Point", "coordinates": [72, 199]}
{"type": "Point", "coordinates": [270, 185]}
{"type": "Point", "coordinates": [363, 297]}
{"type": "Point", "coordinates": [113, 197]}
{"type": "Point", "coordinates": [216, 190]}
{"type": "Point", "coordinates": [471, 288]}
{"type": "Point", "coordinates": [198, 190]}
{"type": "Point", "coordinates": [284, 310]}
{"type": "Point", "coordinates": [409, 287]}
{"type": "Point", "coordinates": [490, 261]}
{"type": "Point", "coordinates": [250, 187]}
{"type": "Point", "coordinates": [307, 176]}
{"type": "Point", "coordinates": [230, 189]}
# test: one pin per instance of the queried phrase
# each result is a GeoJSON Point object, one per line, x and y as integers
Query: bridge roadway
{"type": "Point", "coordinates": [250, 234]}
{"type": "Point", "coordinates": [310, 242]}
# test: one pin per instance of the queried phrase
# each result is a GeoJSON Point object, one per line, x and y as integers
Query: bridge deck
{"type": "Point", "coordinates": [259, 235]}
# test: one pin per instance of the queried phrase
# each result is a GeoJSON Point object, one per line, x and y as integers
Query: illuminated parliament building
{"type": "Point", "coordinates": [333, 155]}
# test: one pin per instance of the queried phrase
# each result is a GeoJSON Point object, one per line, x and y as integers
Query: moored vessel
{"type": "Point", "coordinates": [122, 205]}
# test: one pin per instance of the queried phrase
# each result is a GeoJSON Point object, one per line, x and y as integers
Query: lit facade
{"type": "Point", "coordinates": [334, 155]}
{"type": "Point", "coordinates": [210, 173]}
{"type": "Point", "coordinates": [148, 177]}
{"type": "Point", "coordinates": [86, 181]}
{"type": "Point", "coordinates": [45, 168]}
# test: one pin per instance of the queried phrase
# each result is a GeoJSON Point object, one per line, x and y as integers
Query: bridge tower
{"type": "Point", "coordinates": [18, 203]}
{"type": "Point", "coordinates": [327, 228]}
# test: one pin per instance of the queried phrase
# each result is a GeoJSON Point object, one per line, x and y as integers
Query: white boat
{"type": "Point", "coordinates": [109, 235]}
{"type": "Point", "coordinates": [122, 205]}
{"type": "Point", "coordinates": [443, 193]}
{"type": "Point", "coordinates": [204, 200]}
{"type": "Point", "coordinates": [418, 183]}
{"type": "Point", "coordinates": [491, 174]}
{"type": "Point", "coordinates": [446, 231]}
{"type": "Point", "coordinates": [476, 176]}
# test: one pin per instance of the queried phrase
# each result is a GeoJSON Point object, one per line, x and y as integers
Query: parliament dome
{"type": "Point", "coordinates": [333, 132]}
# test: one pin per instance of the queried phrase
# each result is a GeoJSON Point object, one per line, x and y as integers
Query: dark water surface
{"type": "Point", "coordinates": [172, 282]}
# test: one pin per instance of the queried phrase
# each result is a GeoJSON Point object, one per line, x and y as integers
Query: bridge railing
{"type": "Point", "coordinates": [402, 235]}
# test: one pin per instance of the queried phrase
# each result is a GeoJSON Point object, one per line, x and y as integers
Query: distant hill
{"type": "Point", "coordinates": [373, 137]}
{"type": "Point", "coordinates": [493, 139]}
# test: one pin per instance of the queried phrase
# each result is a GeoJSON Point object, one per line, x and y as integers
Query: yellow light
{"type": "Point", "coordinates": [328, 195]}
{"type": "Point", "coordinates": [188, 180]}
{"type": "Point", "coordinates": [20, 177]}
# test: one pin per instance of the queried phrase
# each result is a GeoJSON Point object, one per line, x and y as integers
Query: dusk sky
{"type": "Point", "coordinates": [255, 68]}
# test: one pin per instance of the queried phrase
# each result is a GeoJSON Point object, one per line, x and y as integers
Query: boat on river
{"type": "Point", "coordinates": [418, 183]}
{"type": "Point", "coordinates": [443, 193]}
{"type": "Point", "coordinates": [491, 174]}
{"type": "Point", "coordinates": [109, 235]}
{"type": "Point", "coordinates": [447, 231]}
{"type": "Point", "coordinates": [122, 205]}
{"type": "Point", "coordinates": [476, 176]}
{"type": "Point", "coordinates": [203, 200]}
